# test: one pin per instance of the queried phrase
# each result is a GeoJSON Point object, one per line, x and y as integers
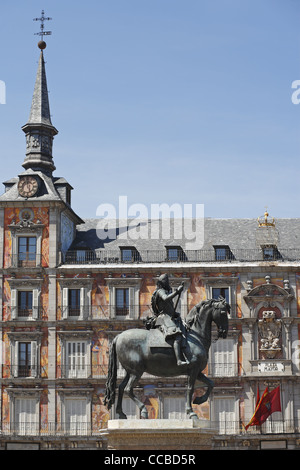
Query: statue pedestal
{"type": "Point", "coordinates": [158, 434]}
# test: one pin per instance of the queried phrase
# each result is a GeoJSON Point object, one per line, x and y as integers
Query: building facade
{"type": "Point", "coordinates": [66, 294]}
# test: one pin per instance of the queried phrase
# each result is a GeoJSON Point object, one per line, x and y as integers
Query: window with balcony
{"type": "Point", "coordinates": [225, 413]}
{"type": "Point", "coordinates": [25, 348]}
{"type": "Point", "coordinates": [76, 359]}
{"type": "Point", "coordinates": [223, 358]}
{"type": "Point", "coordinates": [76, 416]}
{"type": "Point", "coordinates": [24, 363]}
{"type": "Point", "coordinates": [26, 241]}
{"type": "Point", "coordinates": [25, 298]}
{"type": "Point", "coordinates": [26, 420]}
{"type": "Point", "coordinates": [25, 303]}
{"type": "Point", "coordinates": [75, 298]}
{"type": "Point", "coordinates": [74, 302]}
{"type": "Point", "coordinates": [26, 251]}
{"type": "Point", "coordinates": [122, 302]}
{"type": "Point", "coordinates": [124, 296]}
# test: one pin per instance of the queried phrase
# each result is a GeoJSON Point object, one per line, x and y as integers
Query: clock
{"type": "Point", "coordinates": [27, 186]}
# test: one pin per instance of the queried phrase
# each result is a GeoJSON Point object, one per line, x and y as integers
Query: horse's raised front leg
{"type": "Point", "coordinates": [129, 390]}
{"type": "Point", "coordinates": [210, 385]}
{"type": "Point", "coordinates": [122, 386]}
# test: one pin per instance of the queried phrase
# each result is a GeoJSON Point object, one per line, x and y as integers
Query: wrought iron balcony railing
{"type": "Point", "coordinates": [85, 428]}
{"type": "Point", "coordinates": [25, 260]}
{"type": "Point", "coordinates": [79, 367]}
{"type": "Point", "coordinates": [98, 312]}
{"type": "Point", "coordinates": [193, 256]}
{"type": "Point", "coordinates": [29, 313]}
{"type": "Point", "coordinates": [23, 371]}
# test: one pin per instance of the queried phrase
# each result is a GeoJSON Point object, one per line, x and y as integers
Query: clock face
{"type": "Point", "coordinates": [27, 186]}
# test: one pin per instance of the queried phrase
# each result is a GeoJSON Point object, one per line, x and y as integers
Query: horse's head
{"type": "Point", "coordinates": [219, 316]}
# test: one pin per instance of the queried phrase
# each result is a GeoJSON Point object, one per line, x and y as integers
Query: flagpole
{"type": "Point", "coordinates": [282, 417]}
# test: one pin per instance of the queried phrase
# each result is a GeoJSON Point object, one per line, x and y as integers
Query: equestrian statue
{"type": "Point", "coordinates": [167, 347]}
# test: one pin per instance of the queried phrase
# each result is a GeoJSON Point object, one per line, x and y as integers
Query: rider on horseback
{"type": "Point", "coordinates": [167, 319]}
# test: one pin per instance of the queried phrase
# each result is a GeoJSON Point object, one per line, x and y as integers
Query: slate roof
{"type": "Point", "coordinates": [239, 234]}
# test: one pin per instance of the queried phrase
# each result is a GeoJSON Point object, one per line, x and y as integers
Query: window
{"type": "Point", "coordinates": [129, 255]}
{"type": "Point", "coordinates": [174, 408]}
{"type": "Point", "coordinates": [223, 252]}
{"type": "Point", "coordinates": [80, 256]}
{"type": "Point", "coordinates": [76, 416]}
{"type": "Point", "coordinates": [223, 358]}
{"type": "Point", "coordinates": [25, 299]}
{"type": "Point", "coordinates": [220, 292]}
{"type": "Point", "coordinates": [129, 408]}
{"type": "Point", "coordinates": [26, 416]}
{"type": "Point", "coordinates": [24, 361]}
{"type": "Point", "coordinates": [74, 302]}
{"type": "Point", "coordinates": [26, 251]}
{"type": "Point", "coordinates": [75, 297]}
{"type": "Point", "coordinates": [224, 414]}
{"type": "Point", "coordinates": [270, 252]}
{"type": "Point", "coordinates": [175, 253]}
{"type": "Point", "coordinates": [122, 302]}
{"type": "Point", "coordinates": [124, 297]}
{"type": "Point", "coordinates": [76, 359]}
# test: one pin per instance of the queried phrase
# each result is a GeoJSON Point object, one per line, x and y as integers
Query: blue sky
{"type": "Point", "coordinates": [165, 101]}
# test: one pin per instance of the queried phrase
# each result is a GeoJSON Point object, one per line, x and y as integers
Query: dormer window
{"type": "Point", "coordinates": [175, 253]}
{"type": "Point", "coordinates": [129, 254]}
{"type": "Point", "coordinates": [223, 253]}
{"type": "Point", "coordinates": [270, 252]}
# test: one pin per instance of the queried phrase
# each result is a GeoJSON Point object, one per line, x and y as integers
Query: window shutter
{"type": "Point", "coordinates": [174, 408]}
{"type": "Point", "coordinates": [35, 304]}
{"type": "Point", "coordinates": [112, 303]}
{"type": "Point", "coordinates": [82, 302]}
{"type": "Point", "coordinates": [16, 359]}
{"type": "Point", "coordinates": [76, 416]}
{"type": "Point", "coordinates": [225, 414]}
{"type": "Point", "coordinates": [33, 358]}
{"type": "Point", "coordinates": [26, 418]}
{"type": "Point", "coordinates": [223, 358]}
{"type": "Point", "coordinates": [65, 305]}
{"type": "Point", "coordinates": [13, 303]}
{"type": "Point", "coordinates": [131, 302]}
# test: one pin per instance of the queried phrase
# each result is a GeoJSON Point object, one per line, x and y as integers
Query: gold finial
{"type": "Point", "coordinates": [264, 221]}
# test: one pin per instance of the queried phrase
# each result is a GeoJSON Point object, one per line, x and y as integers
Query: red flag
{"type": "Point", "coordinates": [268, 404]}
{"type": "Point", "coordinates": [257, 397]}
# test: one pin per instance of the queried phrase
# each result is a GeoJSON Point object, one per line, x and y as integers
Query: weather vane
{"type": "Point", "coordinates": [42, 32]}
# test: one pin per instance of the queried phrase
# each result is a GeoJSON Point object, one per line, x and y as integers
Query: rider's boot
{"type": "Point", "coordinates": [177, 349]}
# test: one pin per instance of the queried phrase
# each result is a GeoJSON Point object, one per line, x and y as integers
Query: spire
{"type": "Point", "coordinates": [39, 129]}
{"type": "Point", "coordinates": [40, 109]}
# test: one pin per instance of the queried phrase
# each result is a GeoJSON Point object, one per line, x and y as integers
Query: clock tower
{"type": "Point", "coordinates": [51, 228]}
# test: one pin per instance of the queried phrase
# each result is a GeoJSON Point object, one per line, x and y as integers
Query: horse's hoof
{"type": "Point", "coordinates": [122, 415]}
{"type": "Point", "coordinates": [144, 414]}
{"type": "Point", "coordinates": [193, 416]}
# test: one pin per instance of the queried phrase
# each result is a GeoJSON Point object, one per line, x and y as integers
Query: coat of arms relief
{"type": "Point", "coordinates": [269, 330]}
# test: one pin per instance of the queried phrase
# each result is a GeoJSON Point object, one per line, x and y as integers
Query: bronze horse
{"type": "Point", "coordinates": [132, 348]}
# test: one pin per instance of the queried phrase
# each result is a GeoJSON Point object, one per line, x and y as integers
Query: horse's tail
{"type": "Point", "coordinates": [111, 381]}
